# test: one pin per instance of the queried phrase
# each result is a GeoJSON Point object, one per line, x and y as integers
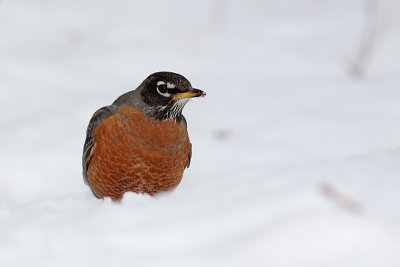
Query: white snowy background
{"type": "Point", "coordinates": [296, 148]}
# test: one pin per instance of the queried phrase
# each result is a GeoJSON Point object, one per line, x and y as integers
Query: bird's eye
{"type": "Point", "coordinates": [162, 89]}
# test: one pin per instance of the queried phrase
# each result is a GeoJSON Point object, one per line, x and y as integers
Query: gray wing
{"type": "Point", "coordinates": [189, 157]}
{"type": "Point", "coordinates": [98, 117]}
{"type": "Point", "coordinates": [190, 152]}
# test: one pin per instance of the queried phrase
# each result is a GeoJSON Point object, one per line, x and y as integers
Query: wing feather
{"type": "Point", "coordinates": [98, 117]}
{"type": "Point", "coordinates": [190, 151]}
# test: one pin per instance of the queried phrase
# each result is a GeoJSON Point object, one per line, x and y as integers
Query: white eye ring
{"type": "Point", "coordinates": [166, 94]}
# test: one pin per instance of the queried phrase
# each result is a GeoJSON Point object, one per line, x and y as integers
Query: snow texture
{"type": "Point", "coordinates": [296, 156]}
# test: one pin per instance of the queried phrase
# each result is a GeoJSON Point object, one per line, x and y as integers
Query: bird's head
{"type": "Point", "coordinates": [167, 93]}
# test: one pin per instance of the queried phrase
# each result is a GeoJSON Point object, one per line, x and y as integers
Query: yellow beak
{"type": "Point", "coordinates": [189, 94]}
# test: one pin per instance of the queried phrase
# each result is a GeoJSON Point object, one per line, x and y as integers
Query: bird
{"type": "Point", "coordinates": [140, 142]}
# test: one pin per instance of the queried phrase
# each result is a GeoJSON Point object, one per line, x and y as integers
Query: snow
{"type": "Point", "coordinates": [295, 160]}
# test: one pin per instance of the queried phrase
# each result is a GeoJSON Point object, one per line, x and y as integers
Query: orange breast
{"type": "Point", "coordinates": [133, 152]}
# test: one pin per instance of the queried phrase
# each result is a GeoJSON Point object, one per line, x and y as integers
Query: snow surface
{"type": "Point", "coordinates": [295, 161]}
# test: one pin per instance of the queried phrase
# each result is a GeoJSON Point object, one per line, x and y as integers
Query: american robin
{"type": "Point", "coordinates": [140, 142]}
